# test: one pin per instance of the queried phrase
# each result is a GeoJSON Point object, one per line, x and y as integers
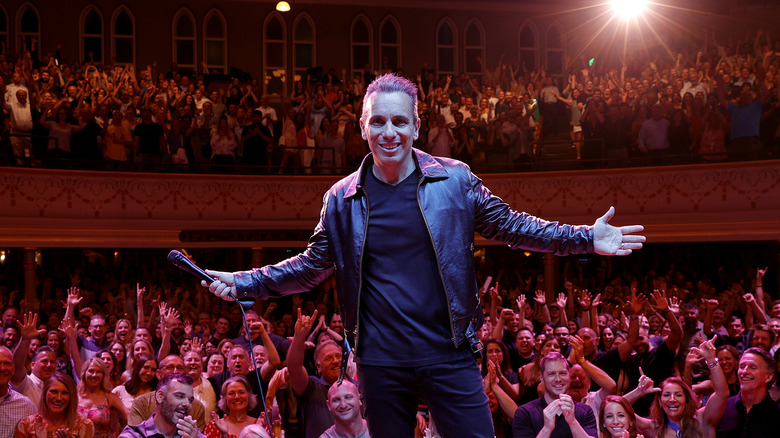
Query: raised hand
{"type": "Point", "coordinates": [70, 330]}
{"type": "Point", "coordinates": [585, 300]}
{"type": "Point", "coordinates": [196, 345]}
{"type": "Point", "coordinates": [760, 274]}
{"type": "Point", "coordinates": [659, 301]}
{"type": "Point", "coordinates": [74, 297]}
{"type": "Point", "coordinates": [29, 326]}
{"type": "Point", "coordinates": [577, 349]}
{"type": "Point", "coordinates": [304, 323]}
{"type": "Point", "coordinates": [561, 301]}
{"type": "Point", "coordinates": [540, 298]}
{"type": "Point", "coordinates": [596, 301]}
{"type": "Point", "coordinates": [710, 304]}
{"type": "Point", "coordinates": [520, 302]}
{"type": "Point", "coordinates": [646, 384]}
{"type": "Point", "coordinates": [611, 240]}
{"type": "Point", "coordinates": [674, 305]}
{"type": "Point", "coordinates": [637, 303]}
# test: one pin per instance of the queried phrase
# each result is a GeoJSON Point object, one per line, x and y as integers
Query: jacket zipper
{"type": "Point", "coordinates": [360, 270]}
{"type": "Point", "coordinates": [438, 264]}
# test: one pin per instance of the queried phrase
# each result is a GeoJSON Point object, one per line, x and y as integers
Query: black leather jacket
{"type": "Point", "coordinates": [454, 204]}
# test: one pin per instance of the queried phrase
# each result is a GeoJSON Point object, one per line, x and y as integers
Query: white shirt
{"type": "Point", "coordinates": [21, 116]}
{"type": "Point", "coordinates": [31, 387]}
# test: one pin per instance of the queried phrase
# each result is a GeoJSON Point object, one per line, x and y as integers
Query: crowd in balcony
{"type": "Point", "coordinates": [700, 104]}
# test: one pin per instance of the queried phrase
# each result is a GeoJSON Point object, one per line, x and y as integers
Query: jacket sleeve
{"type": "Point", "coordinates": [495, 220]}
{"type": "Point", "coordinates": [294, 275]}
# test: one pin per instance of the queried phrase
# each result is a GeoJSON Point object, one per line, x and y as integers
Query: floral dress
{"type": "Point", "coordinates": [100, 415]}
{"type": "Point", "coordinates": [35, 426]}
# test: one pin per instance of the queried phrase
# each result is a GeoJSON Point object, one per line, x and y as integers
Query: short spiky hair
{"type": "Point", "coordinates": [390, 83]}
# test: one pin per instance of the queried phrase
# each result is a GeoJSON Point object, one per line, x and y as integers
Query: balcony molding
{"type": "Point", "coordinates": [57, 208]}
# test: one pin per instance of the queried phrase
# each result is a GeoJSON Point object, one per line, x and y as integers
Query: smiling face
{"type": "Point", "coordinates": [328, 362]}
{"type": "Point", "coordinates": [174, 403]}
{"type": "Point", "coordinates": [390, 127]}
{"type": "Point", "coordinates": [237, 397]}
{"type": "Point", "coordinates": [148, 371]}
{"type": "Point", "coordinates": [753, 373]}
{"type": "Point", "coordinates": [556, 378]}
{"type": "Point", "coordinates": [216, 365]}
{"type": "Point", "coordinates": [344, 402]}
{"type": "Point", "coordinates": [93, 376]}
{"type": "Point", "coordinates": [57, 398]}
{"type": "Point", "coordinates": [673, 401]}
{"type": "Point", "coordinates": [616, 420]}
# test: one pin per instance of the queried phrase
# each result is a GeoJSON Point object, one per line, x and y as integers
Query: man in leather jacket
{"type": "Point", "coordinates": [398, 234]}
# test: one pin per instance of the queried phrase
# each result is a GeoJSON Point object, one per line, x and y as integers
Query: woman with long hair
{"type": "Point", "coordinates": [496, 352]}
{"type": "Point", "coordinates": [96, 401]}
{"type": "Point", "coordinates": [55, 341]}
{"type": "Point", "coordinates": [57, 415]}
{"type": "Point", "coordinates": [137, 348]}
{"type": "Point", "coordinates": [237, 399]}
{"type": "Point", "coordinates": [617, 418]}
{"type": "Point", "coordinates": [112, 367]}
{"type": "Point", "coordinates": [124, 332]}
{"type": "Point", "coordinates": [675, 412]}
{"type": "Point", "coordinates": [118, 349]}
{"type": "Point", "coordinates": [142, 380]}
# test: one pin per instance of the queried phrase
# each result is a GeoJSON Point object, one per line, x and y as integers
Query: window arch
{"type": "Point", "coordinates": [275, 53]}
{"type": "Point", "coordinates": [360, 38]}
{"type": "Point", "coordinates": [215, 41]}
{"type": "Point", "coordinates": [123, 36]}
{"type": "Point", "coordinates": [184, 38]}
{"type": "Point", "coordinates": [4, 27]}
{"type": "Point", "coordinates": [28, 25]}
{"type": "Point", "coordinates": [390, 44]}
{"type": "Point", "coordinates": [528, 46]}
{"type": "Point", "coordinates": [304, 45]}
{"type": "Point", "coordinates": [446, 47]}
{"type": "Point", "coordinates": [91, 34]}
{"type": "Point", "coordinates": [554, 46]}
{"type": "Point", "coordinates": [474, 47]}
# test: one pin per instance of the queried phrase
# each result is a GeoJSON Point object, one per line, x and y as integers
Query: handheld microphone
{"type": "Point", "coordinates": [183, 262]}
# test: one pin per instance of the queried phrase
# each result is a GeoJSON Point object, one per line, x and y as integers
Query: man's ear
{"type": "Point", "coordinates": [159, 396]}
{"type": "Point", "coordinates": [363, 131]}
{"type": "Point", "coordinates": [416, 128]}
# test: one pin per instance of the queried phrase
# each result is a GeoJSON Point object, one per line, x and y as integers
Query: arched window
{"type": "Point", "coordinates": [215, 41]}
{"type": "Point", "coordinates": [91, 29]}
{"type": "Point", "coordinates": [275, 53]}
{"type": "Point", "coordinates": [446, 47]}
{"type": "Point", "coordinates": [554, 51]}
{"type": "Point", "coordinates": [123, 36]}
{"type": "Point", "coordinates": [528, 44]}
{"type": "Point", "coordinates": [304, 43]}
{"type": "Point", "coordinates": [474, 48]}
{"type": "Point", "coordinates": [4, 28]}
{"type": "Point", "coordinates": [184, 37]}
{"type": "Point", "coordinates": [28, 24]}
{"type": "Point", "coordinates": [390, 44]}
{"type": "Point", "coordinates": [360, 37]}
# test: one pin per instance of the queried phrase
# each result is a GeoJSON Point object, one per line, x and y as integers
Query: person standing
{"type": "Point", "coordinates": [424, 211]}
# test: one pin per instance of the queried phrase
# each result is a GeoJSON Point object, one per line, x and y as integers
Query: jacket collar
{"type": "Point", "coordinates": [428, 166]}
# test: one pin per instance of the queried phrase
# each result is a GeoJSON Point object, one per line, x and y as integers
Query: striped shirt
{"type": "Point", "coordinates": [14, 407]}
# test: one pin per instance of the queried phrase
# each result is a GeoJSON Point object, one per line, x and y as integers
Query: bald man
{"type": "Point", "coordinates": [14, 406]}
{"type": "Point", "coordinates": [345, 405]}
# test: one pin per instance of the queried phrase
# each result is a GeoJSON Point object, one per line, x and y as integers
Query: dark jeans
{"type": "Point", "coordinates": [453, 391]}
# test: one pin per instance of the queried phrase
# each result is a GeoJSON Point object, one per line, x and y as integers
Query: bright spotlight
{"type": "Point", "coordinates": [627, 9]}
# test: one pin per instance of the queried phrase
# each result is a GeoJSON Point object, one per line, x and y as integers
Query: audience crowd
{"type": "Point", "coordinates": [686, 350]}
{"type": "Point", "coordinates": [707, 103]}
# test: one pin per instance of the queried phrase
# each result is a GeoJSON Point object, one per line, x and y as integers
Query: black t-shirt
{"type": "Point", "coordinates": [404, 315]}
{"type": "Point", "coordinates": [148, 138]}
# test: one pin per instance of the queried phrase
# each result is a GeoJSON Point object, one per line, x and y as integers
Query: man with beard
{"type": "Point", "coordinates": [172, 418]}
{"type": "Point", "coordinates": [751, 413]}
{"type": "Point", "coordinates": [344, 404]}
{"type": "Point", "coordinates": [554, 414]}
{"type": "Point", "coordinates": [145, 405]}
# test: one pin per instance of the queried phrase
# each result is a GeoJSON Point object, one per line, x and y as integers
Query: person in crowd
{"type": "Point", "coordinates": [237, 399]}
{"type": "Point", "coordinates": [554, 414]}
{"type": "Point", "coordinates": [201, 386]}
{"type": "Point", "coordinates": [112, 367]}
{"type": "Point", "coordinates": [496, 352]}
{"type": "Point", "coordinates": [215, 363]}
{"type": "Point", "coordinates": [173, 400]}
{"type": "Point", "coordinates": [751, 413]}
{"type": "Point", "coordinates": [345, 406]}
{"type": "Point", "coordinates": [143, 379]}
{"type": "Point", "coordinates": [145, 405]}
{"type": "Point", "coordinates": [530, 374]}
{"type": "Point", "coordinates": [97, 403]}
{"type": "Point", "coordinates": [675, 410]}
{"type": "Point", "coordinates": [223, 145]}
{"type": "Point", "coordinates": [617, 418]}
{"type": "Point", "coordinates": [44, 362]}
{"type": "Point", "coordinates": [390, 124]}
{"type": "Point", "coordinates": [57, 412]}
{"type": "Point", "coordinates": [14, 405]}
